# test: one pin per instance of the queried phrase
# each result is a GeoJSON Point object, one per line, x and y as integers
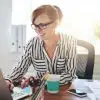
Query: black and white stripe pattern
{"type": "Point", "coordinates": [64, 61]}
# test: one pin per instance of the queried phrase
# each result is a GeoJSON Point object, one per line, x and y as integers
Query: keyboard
{"type": "Point", "coordinates": [19, 93]}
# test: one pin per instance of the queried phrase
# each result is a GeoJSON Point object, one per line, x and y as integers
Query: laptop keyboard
{"type": "Point", "coordinates": [19, 93]}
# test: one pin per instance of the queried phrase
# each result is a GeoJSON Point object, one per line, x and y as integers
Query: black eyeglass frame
{"type": "Point", "coordinates": [41, 25]}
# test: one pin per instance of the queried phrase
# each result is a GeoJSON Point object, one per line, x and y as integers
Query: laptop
{"type": "Point", "coordinates": [18, 93]}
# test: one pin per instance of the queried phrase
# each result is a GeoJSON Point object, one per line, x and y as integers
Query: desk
{"type": "Point", "coordinates": [63, 95]}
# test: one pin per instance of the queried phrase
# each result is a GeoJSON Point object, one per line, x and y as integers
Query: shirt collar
{"type": "Point", "coordinates": [58, 43]}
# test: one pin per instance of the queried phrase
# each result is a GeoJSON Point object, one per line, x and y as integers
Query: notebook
{"type": "Point", "coordinates": [95, 87]}
{"type": "Point", "coordinates": [19, 93]}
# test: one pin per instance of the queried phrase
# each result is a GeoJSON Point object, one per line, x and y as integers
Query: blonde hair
{"type": "Point", "coordinates": [53, 12]}
{"type": "Point", "coordinates": [60, 14]}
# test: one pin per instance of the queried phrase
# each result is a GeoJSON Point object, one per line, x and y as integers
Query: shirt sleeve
{"type": "Point", "coordinates": [23, 65]}
{"type": "Point", "coordinates": [70, 62]}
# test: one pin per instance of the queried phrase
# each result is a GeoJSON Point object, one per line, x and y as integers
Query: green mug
{"type": "Point", "coordinates": [53, 83]}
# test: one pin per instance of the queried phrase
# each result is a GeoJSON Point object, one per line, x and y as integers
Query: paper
{"type": "Point", "coordinates": [91, 96]}
{"type": "Point", "coordinates": [95, 87]}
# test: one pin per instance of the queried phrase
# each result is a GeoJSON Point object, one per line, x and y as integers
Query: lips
{"type": "Point", "coordinates": [40, 33]}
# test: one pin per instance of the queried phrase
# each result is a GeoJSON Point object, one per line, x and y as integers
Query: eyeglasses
{"type": "Point", "coordinates": [41, 25]}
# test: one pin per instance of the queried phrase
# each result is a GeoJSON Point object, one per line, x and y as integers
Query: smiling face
{"type": "Point", "coordinates": [44, 26]}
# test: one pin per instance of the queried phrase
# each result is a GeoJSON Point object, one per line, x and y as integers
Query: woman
{"type": "Point", "coordinates": [50, 51]}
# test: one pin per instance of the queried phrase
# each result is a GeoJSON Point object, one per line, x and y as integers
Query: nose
{"type": "Point", "coordinates": [38, 30]}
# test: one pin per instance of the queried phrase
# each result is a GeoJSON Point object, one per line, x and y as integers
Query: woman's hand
{"type": "Point", "coordinates": [10, 85]}
{"type": "Point", "coordinates": [24, 82]}
{"type": "Point", "coordinates": [33, 82]}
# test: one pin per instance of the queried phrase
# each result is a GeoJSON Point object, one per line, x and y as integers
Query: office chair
{"type": "Point", "coordinates": [85, 61]}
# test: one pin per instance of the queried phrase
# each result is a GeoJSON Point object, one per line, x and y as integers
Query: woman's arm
{"type": "Point", "coordinates": [70, 63]}
{"type": "Point", "coordinates": [23, 65]}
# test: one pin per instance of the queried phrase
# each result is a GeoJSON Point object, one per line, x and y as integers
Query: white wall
{"type": "Point", "coordinates": [5, 23]}
{"type": "Point", "coordinates": [7, 59]}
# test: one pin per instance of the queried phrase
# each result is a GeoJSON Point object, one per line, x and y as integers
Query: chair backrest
{"type": "Point", "coordinates": [85, 61]}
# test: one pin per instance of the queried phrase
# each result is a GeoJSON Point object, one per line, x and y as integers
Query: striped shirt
{"type": "Point", "coordinates": [63, 62]}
